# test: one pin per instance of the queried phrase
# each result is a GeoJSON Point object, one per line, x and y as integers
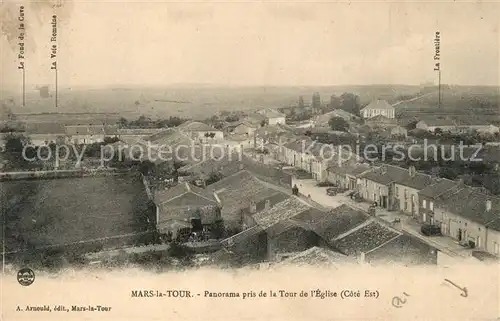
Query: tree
{"type": "Point", "coordinates": [14, 145]}
{"type": "Point", "coordinates": [217, 229]}
{"type": "Point", "coordinates": [301, 102]}
{"type": "Point", "coordinates": [110, 140]}
{"type": "Point", "coordinates": [214, 177]}
{"type": "Point", "coordinates": [448, 172]}
{"type": "Point", "coordinates": [335, 102]}
{"type": "Point", "coordinates": [123, 122]}
{"type": "Point", "coordinates": [438, 131]}
{"type": "Point", "coordinates": [339, 124]}
{"type": "Point", "coordinates": [263, 123]}
{"type": "Point", "coordinates": [350, 103]}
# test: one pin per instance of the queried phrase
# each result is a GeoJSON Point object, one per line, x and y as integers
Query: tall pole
{"type": "Point", "coordinates": [439, 88]}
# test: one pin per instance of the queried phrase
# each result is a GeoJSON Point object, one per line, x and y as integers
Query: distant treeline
{"type": "Point", "coordinates": [145, 122]}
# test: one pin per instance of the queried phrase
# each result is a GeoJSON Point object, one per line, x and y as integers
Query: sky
{"type": "Point", "coordinates": [253, 43]}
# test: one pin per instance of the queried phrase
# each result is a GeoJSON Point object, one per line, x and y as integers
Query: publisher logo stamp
{"type": "Point", "coordinates": [25, 276]}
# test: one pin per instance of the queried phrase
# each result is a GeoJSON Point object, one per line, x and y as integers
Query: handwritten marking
{"type": "Point", "coordinates": [397, 301]}
{"type": "Point", "coordinates": [464, 289]}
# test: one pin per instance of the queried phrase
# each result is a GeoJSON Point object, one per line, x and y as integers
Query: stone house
{"type": "Point", "coordinates": [378, 107]}
{"type": "Point", "coordinates": [470, 217]}
{"type": "Point", "coordinates": [185, 208]}
{"type": "Point", "coordinates": [406, 190]}
{"type": "Point", "coordinates": [429, 195]}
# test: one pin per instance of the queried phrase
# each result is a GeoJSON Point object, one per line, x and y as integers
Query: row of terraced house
{"type": "Point", "coordinates": [466, 214]}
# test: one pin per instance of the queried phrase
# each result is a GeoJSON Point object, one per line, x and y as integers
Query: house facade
{"type": "Point", "coordinates": [428, 197]}
{"type": "Point", "coordinates": [376, 185]}
{"type": "Point", "coordinates": [406, 191]}
{"type": "Point", "coordinates": [378, 107]}
{"type": "Point", "coordinates": [456, 127]}
{"type": "Point", "coordinates": [493, 238]}
{"type": "Point", "coordinates": [469, 217]}
{"type": "Point", "coordinates": [273, 117]}
{"type": "Point", "coordinates": [201, 132]}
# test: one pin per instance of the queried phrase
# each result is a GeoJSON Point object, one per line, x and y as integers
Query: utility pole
{"type": "Point", "coordinates": [439, 88]}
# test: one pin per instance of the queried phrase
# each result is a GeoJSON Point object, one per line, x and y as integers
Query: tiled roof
{"type": "Point", "coordinates": [238, 191]}
{"type": "Point", "coordinates": [181, 189]}
{"type": "Point", "coordinates": [269, 130]}
{"type": "Point", "coordinates": [378, 104]}
{"type": "Point", "coordinates": [470, 204]}
{"type": "Point", "coordinates": [269, 113]}
{"type": "Point", "coordinates": [281, 211]}
{"type": "Point", "coordinates": [334, 223]}
{"type": "Point", "coordinates": [195, 126]}
{"type": "Point", "coordinates": [226, 166]}
{"type": "Point", "coordinates": [255, 118]}
{"type": "Point", "coordinates": [494, 224]}
{"type": "Point", "coordinates": [381, 118]}
{"type": "Point", "coordinates": [139, 131]}
{"type": "Point", "coordinates": [438, 187]}
{"type": "Point", "coordinates": [325, 118]}
{"type": "Point", "coordinates": [349, 168]}
{"type": "Point", "coordinates": [439, 122]}
{"type": "Point", "coordinates": [387, 174]}
{"type": "Point", "coordinates": [365, 239]}
{"type": "Point", "coordinates": [154, 138]}
{"type": "Point", "coordinates": [317, 256]}
{"type": "Point", "coordinates": [405, 249]}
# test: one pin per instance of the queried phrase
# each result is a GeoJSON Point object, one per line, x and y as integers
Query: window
{"type": "Point", "coordinates": [431, 206]}
{"type": "Point", "coordinates": [495, 248]}
{"type": "Point", "coordinates": [424, 203]}
{"type": "Point", "coordinates": [397, 190]}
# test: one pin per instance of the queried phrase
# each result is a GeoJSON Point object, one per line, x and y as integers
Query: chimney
{"type": "Point", "coordinates": [496, 167]}
{"type": "Point", "coordinates": [488, 205]}
{"type": "Point", "coordinates": [412, 171]}
{"type": "Point", "coordinates": [361, 258]}
{"type": "Point", "coordinates": [253, 208]}
{"type": "Point", "coordinates": [268, 204]}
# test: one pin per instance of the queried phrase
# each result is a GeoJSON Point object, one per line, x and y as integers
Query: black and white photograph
{"type": "Point", "coordinates": [250, 160]}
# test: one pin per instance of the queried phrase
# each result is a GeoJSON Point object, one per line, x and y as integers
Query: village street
{"type": "Point", "coordinates": [318, 194]}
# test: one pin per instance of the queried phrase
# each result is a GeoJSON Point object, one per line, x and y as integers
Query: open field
{"type": "Point", "coordinates": [185, 101]}
{"type": "Point", "coordinates": [479, 103]}
{"type": "Point", "coordinates": [45, 213]}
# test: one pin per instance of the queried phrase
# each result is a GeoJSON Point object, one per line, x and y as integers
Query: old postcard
{"type": "Point", "coordinates": [249, 160]}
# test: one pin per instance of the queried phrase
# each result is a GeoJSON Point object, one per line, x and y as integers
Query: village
{"type": "Point", "coordinates": [273, 194]}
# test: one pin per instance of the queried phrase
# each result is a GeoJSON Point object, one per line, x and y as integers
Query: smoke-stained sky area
{"type": "Point", "coordinates": [254, 43]}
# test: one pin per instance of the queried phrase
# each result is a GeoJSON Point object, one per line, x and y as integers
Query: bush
{"type": "Point", "coordinates": [325, 184]}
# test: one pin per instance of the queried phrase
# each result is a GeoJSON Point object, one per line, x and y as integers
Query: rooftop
{"type": "Point", "coordinates": [387, 174]}
{"type": "Point", "coordinates": [280, 211]}
{"type": "Point", "coordinates": [196, 126]}
{"type": "Point", "coordinates": [365, 239]}
{"type": "Point", "coordinates": [470, 204]}
{"type": "Point", "coordinates": [438, 187]}
{"type": "Point", "coordinates": [317, 256]}
{"type": "Point", "coordinates": [378, 104]}
{"type": "Point", "coordinates": [270, 113]}
{"type": "Point", "coordinates": [183, 189]}
{"type": "Point", "coordinates": [330, 225]}
{"type": "Point", "coordinates": [239, 191]}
